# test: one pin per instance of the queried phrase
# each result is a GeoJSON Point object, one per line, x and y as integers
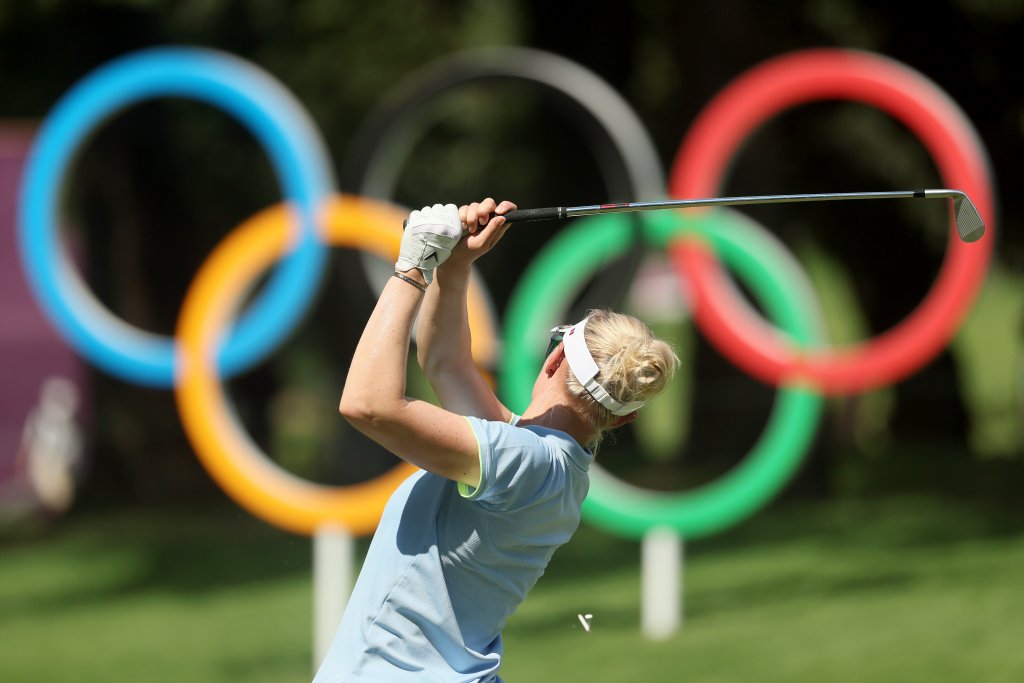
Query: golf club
{"type": "Point", "coordinates": [968, 221]}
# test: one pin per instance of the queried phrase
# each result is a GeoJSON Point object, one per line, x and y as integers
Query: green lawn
{"type": "Point", "coordinates": [897, 589]}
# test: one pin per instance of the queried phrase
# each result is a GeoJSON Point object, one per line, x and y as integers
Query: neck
{"type": "Point", "coordinates": [555, 415]}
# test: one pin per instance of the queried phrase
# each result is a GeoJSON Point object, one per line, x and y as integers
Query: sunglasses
{"type": "Point", "coordinates": [557, 334]}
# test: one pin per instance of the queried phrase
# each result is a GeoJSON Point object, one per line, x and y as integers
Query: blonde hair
{"type": "Point", "coordinates": [632, 364]}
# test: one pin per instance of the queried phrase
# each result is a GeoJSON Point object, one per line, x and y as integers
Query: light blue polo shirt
{"type": "Point", "coordinates": [449, 564]}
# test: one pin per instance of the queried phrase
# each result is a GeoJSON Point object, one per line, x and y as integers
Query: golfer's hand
{"type": "Point", "coordinates": [430, 235]}
{"type": "Point", "coordinates": [483, 226]}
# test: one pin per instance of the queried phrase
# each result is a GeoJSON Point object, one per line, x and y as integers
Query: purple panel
{"type": "Point", "coordinates": [31, 351]}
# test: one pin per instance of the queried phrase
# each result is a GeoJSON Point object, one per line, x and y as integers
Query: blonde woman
{"type": "Point", "coordinates": [461, 543]}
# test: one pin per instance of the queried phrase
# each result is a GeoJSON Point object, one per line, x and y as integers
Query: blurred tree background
{"type": "Point", "coordinates": [159, 185]}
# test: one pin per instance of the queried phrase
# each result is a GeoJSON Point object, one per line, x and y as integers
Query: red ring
{"type": "Point", "coordinates": [906, 95]}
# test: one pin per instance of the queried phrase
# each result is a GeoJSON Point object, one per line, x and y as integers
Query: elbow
{"type": "Point", "coordinates": [430, 366]}
{"type": "Point", "coordinates": [429, 360]}
{"type": "Point", "coordinates": [369, 413]}
{"type": "Point", "coordinates": [355, 411]}
{"type": "Point", "coordinates": [436, 364]}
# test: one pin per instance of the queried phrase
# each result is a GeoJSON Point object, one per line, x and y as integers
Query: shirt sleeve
{"type": "Point", "coordinates": [515, 465]}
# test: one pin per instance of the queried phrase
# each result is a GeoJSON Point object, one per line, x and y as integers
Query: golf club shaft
{"type": "Point", "coordinates": [968, 221]}
{"type": "Point", "coordinates": [557, 212]}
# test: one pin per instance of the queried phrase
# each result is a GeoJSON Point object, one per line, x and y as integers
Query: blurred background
{"type": "Point", "coordinates": [893, 554]}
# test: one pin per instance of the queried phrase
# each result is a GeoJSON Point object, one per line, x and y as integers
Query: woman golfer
{"type": "Point", "coordinates": [462, 542]}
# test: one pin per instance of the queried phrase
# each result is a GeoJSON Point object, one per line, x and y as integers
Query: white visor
{"type": "Point", "coordinates": [585, 369]}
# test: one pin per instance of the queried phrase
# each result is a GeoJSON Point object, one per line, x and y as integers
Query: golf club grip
{"type": "Point", "coordinates": [548, 213]}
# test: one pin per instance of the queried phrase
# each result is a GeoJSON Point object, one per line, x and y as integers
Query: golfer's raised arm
{"type": "Point", "coordinates": [443, 335]}
{"type": "Point", "coordinates": [373, 400]}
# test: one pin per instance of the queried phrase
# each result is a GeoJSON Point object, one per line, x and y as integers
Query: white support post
{"type": "Point", "coordinates": [661, 568]}
{"type": "Point", "coordinates": [333, 568]}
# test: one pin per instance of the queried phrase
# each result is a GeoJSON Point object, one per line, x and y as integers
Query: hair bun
{"type": "Point", "coordinates": [632, 364]}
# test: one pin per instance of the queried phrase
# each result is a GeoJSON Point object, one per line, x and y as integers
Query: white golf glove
{"type": "Point", "coordinates": [430, 235]}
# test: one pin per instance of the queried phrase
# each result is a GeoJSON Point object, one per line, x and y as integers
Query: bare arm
{"type": "Point", "coordinates": [374, 399]}
{"type": "Point", "coordinates": [443, 338]}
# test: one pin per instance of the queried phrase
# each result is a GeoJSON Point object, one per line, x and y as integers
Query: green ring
{"type": "Point", "coordinates": [556, 276]}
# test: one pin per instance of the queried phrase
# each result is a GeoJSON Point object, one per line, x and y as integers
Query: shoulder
{"type": "Point", "coordinates": [533, 441]}
{"type": "Point", "coordinates": [495, 431]}
{"type": "Point", "coordinates": [516, 462]}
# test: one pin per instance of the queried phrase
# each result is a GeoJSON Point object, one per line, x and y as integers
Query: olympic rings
{"type": "Point", "coordinates": [632, 169]}
{"type": "Point", "coordinates": [802, 369]}
{"type": "Point", "coordinates": [938, 122]}
{"type": "Point", "coordinates": [276, 119]}
{"type": "Point", "coordinates": [557, 274]}
{"type": "Point", "coordinates": [377, 160]}
{"type": "Point", "coordinates": [230, 457]}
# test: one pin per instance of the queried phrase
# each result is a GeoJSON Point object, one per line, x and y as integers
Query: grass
{"type": "Point", "coordinates": [898, 589]}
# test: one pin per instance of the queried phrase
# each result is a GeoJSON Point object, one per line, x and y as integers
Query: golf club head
{"type": "Point", "coordinates": [968, 221]}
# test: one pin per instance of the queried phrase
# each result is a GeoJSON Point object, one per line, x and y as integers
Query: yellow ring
{"type": "Point", "coordinates": [225, 450]}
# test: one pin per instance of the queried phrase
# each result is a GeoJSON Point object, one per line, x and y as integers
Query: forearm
{"type": "Point", "coordinates": [443, 336]}
{"type": "Point", "coordinates": [376, 378]}
{"type": "Point", "coordinates": [374, 400]}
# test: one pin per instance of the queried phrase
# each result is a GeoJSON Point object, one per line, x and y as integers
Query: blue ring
{"type": "Point", "coordinates": [283, 129]}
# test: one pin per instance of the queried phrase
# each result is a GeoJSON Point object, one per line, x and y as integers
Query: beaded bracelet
{"type": "Point", "coordinates": [412, 282]}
